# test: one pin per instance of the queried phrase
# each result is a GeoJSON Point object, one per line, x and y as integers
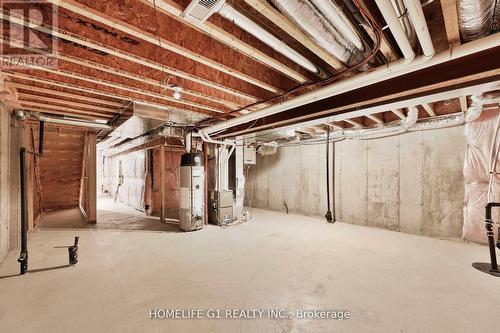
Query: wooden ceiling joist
{"type": "Point", "coordinates": [375, 118]}
{"type": "Point", "coordinates": [263, 7]}
{"type": "Point", "coordinates": [142, 79]}
{"type": "Point", "coordinates": [429, 109]}
{"type": "Point", "coordinates": [79, 40]}
{"type": "Point", "coordinates": [95, 80]}
{"type": "Point", "coordinates": [399, 113]}
{"type": "Point", "coordinates": [66, 102]}
{"type": "Point", "coordinates": [170, 7]}
{"type": "Point", "coordinates": [34, 89]}
{"type": "Point", "coordinates": [353, 122]}
{"type": "Point", "coordinates": [450, 16]}
{"type": "Point", "coordinates": [84, 89]}
{"type": "Point", "coordinates": [39, 107]}
{"type": "Point", "coordinates": [160, 41]}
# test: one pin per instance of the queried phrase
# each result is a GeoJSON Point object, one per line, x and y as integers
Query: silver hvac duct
{"type": "Point", "coordinates": [476, 18]}
{"type": "Point", "coordinates": [319, 29]}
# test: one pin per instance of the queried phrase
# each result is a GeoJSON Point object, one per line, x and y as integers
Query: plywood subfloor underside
{"type": "Point", "coordinates": [391, 282]}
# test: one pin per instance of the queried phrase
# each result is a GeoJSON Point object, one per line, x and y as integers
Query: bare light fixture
{"type": "Point", "coordinates": [177, 92]}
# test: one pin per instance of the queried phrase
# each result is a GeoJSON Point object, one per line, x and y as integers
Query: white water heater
{"type": "Point", "coordinates": [192, 203]}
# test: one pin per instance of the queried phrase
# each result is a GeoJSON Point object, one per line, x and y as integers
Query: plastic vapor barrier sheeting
{"type": "Point", "coordinates": [479, 135]}
{"type": "Point", "coordinates": [126, 178]}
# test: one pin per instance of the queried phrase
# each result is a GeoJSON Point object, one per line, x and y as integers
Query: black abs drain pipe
{"type": "Point", "coordinates": [492, 267]}
{"type": "Point", "coordinates": [328, 215]}
{"type": "Point", "coordinates": [490, 235]}
{"type": "Point", "coordinates": [23, 257]}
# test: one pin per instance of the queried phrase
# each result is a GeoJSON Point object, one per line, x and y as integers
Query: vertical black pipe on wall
{"type": "Point", "coordinates": [23, 257]}
{"type": "Point", "coordinates": [490, 235]}
{"type": "Point", "coordinates": [328, 215]}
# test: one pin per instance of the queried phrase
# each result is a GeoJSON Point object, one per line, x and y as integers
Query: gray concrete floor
{"type": "Point", "coordinates": [389, 281]}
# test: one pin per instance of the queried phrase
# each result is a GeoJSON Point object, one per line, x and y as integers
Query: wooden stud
{"type": "Point", "coordinates": [92, 178]}
{"type": "Point", "coordinates": [162, 183]}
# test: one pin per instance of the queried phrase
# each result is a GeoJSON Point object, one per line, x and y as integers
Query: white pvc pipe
{"type": "Point", "coordinates": [418, 19]}
{"type": "Point", "coordinates": [337, 18]}
{"type": "Point", "coordinates": [263, 35]}
{"type": "Point", "coordinates": [392, 20]}
{"type": "Point", "coordinates": [379, 74]}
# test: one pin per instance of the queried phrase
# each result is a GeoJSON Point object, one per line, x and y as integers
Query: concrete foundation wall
{"type": "Point", "coordinates": [411, 183]}
{"type": "Point", "coordinates": [10, 140]}
{"type": "Point", "coordinates": [4, 181]}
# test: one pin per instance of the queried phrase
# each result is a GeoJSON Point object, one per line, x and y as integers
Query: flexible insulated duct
{"type": "Point", "coordinates": [319, 29]}
{"type": "Point", "coordinates": [338, 19]}
{"type": "Point", "coordinates": [476, 18]}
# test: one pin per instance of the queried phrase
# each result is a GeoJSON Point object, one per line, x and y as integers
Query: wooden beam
{"type": "Point", "coordinates": [375, 118]}
{"type": "Point", "coordinates": [48, 107]}
{"type": "Point", "coordinates": [429, 109]}
{"type": "Point", "coordinates": [80, 40]}
{"type": "Point", "coordinates": [264, 8]}
{"type": "Point", "coordinates": [353, 122]}
{"type": "Point", "coordinates": [66, 102]}
{"type": "Point", "coordinates": [159, 41]}
{"type": "Point", "coordinates": [450, 16]}
{"type": "Point", "coordinates": [162, 183]}
{"type": "Point", "coordinates": [173, 9]}
{"type": "Point", "coordinates": [125, 74]}
{"type": "Point", "coordinates": [463, 103]}
{"type": "Point", "coordinates": [399, 113]}
{"type": "Point", "coordinates": [83, 89]}
{"type": "Point", "coordinates": [92, 178]}
{"type": "Point", "coordinates": [63, 94]}
{"type": "Point", "coordinates": [114, 85]}
{"type": "Point", "coordinates": [83, 180]}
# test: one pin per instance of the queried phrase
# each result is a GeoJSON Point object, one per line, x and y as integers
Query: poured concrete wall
{"type": "Point", "coordinates": [4, 181]}
{"type": "Point", "coordinates": [411, 183]}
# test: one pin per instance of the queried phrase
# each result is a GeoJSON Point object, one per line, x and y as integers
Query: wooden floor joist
{"type": "Point", "coordinates": [172, 8]}
{"type": "Point", "coordinates": [34, 89]}
{"type": "Point", "coordinates": [374, 118]}
{"type": "Point", "coordinates": [284, 23]}
{"type": "Point", "coordinates": [63, 108]}
{"type": "Point", "coordinates": [159, 41]}
{"type": "Point", "coordinates": [48, 110]}
{"type": "Point", "coordinates": [68, 36]}
{"type": "Point", "coordinates": [114, 85]}
{"type": "Point", "coordinates": [78, 105]}
{"type": "Point", "coordinates": [450, 17]}
{"type": "Point", "coordinates": [82, 89]}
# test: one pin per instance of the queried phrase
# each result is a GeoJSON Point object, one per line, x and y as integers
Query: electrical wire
{"type": "Point", "coordinates": [279, 98]}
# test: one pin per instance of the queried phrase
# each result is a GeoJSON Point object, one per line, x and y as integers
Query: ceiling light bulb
{"type": "Point", "coordinates": [177, 92]}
